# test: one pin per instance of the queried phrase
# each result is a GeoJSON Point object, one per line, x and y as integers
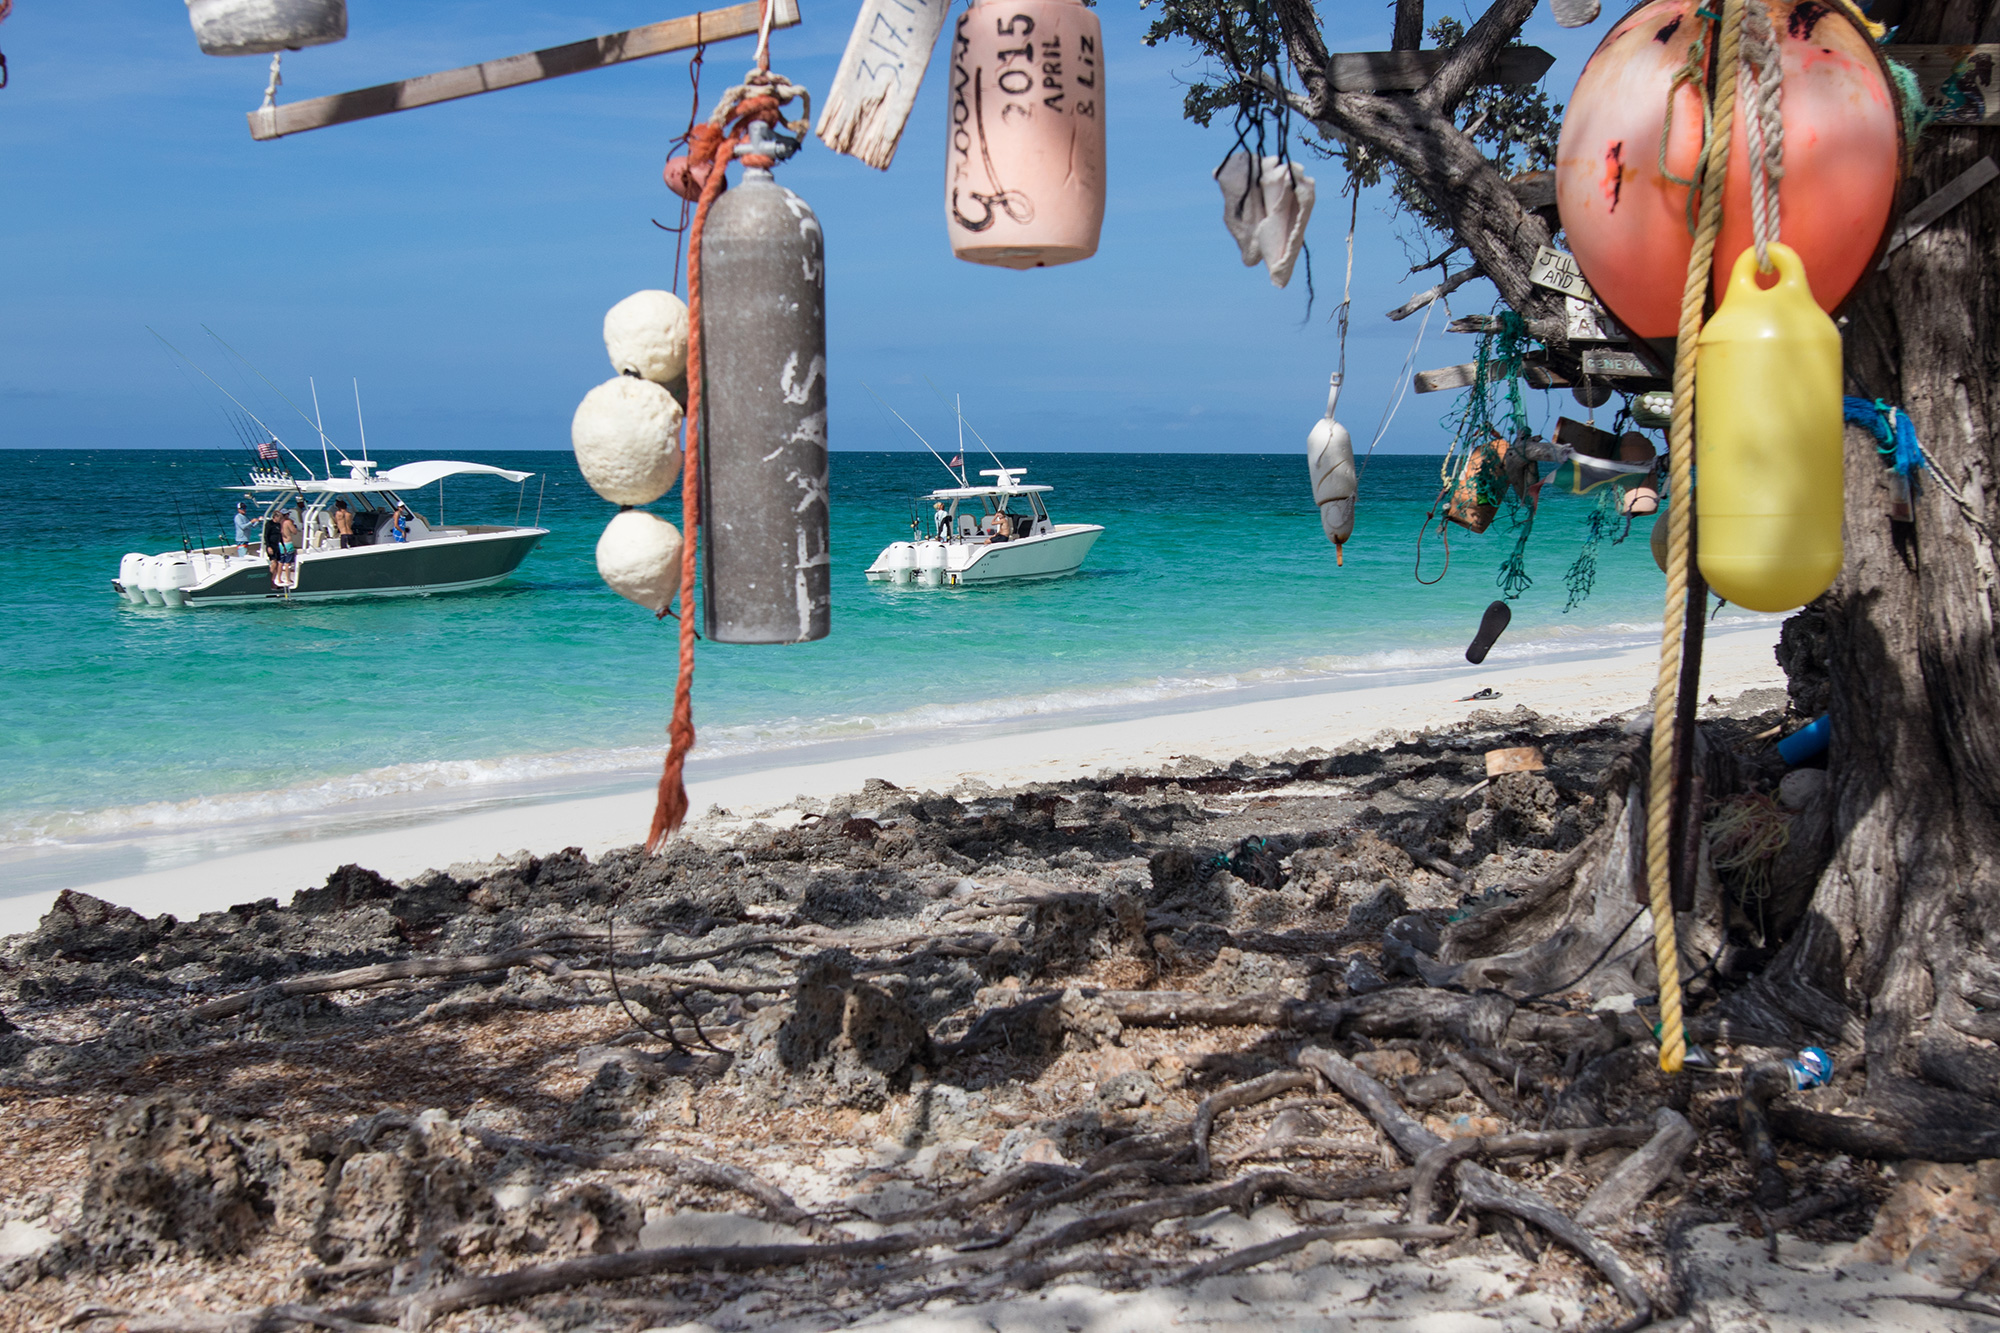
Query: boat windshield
{"type": "Point", "coordinates": [980, 517]}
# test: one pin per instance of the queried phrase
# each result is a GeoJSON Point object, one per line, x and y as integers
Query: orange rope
{"type": "Point", "coordinates": [671, 806]}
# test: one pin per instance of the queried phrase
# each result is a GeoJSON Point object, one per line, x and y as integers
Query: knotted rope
{"type": "Point", "coordinates": [759, 99]}
{"type": "Point", "coordinates": [1680, 523]}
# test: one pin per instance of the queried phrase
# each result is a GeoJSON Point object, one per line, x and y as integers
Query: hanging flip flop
{"type": "Point", "coordinates": [1490, 627]}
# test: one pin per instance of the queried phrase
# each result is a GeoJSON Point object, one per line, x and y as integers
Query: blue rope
{"type": "Point", "coordinates": [1895, 437]}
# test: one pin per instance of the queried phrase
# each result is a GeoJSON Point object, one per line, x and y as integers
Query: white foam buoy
{"type": "Point", "coordinates": [646, 335]}
{"type": "Point", "coordinates": [259, 27]}
{"type": "Point", "coordinates": [1330, 456]}
{"type": "Point", "coordinates": [626, 433]}
{"type": "Point", "coordinates": [639, 556]}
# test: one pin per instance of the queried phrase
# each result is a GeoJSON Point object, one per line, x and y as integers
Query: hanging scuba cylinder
{"type": "Point", "coordinates": [765, 575]}
{"type": "Point", "coordinates": [1625, 215]}
{"type": "Point", "coordinates": [1767, 440]}
{"type": "Point", "coordinates": [258, 27]}
{"type": "Point", "coordinates": [1024, 156]}
{"type": "Point", "coordinates": [1330, 457]}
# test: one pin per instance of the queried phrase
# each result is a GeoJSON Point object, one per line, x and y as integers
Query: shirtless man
{"type": "Point", "coordinates": [343, 523]}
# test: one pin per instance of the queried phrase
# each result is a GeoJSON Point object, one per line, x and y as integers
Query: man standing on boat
{"type": "Point", "coordinates": [246, 528]}
{"type": "Point", "coordinates": [343, 523]}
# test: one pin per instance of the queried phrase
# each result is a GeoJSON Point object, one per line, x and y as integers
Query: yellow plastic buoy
{"type": "Point", "coordinates": [1767, 446]}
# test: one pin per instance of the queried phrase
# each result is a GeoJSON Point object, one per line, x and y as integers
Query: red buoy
{"type": "Point", "coordinates": [1627, 222]}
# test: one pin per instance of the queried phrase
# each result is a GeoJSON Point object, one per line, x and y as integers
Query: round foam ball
{"type": "Point", "coordinates": [626, 433]}
{"type": "Point", "coordinates": [647, 335]}
{"type": "Point", "coordinates": [639, 555]}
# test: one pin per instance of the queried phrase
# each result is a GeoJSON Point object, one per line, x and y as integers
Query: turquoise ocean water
{"type": "Point", "coordinates": [1211, 584]}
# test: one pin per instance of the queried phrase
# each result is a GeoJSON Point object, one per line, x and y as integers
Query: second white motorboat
{"type": "Point", "coordinates": [985, 534]}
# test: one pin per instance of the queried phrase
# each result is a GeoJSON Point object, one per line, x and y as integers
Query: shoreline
{"type": "Point", "coordinates": [996, 755]}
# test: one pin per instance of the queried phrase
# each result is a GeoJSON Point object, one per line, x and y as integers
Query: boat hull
{"type": "Point", "coordinates": [439, 564]}
{"type": "Point", "coordinates": [1049, 555]}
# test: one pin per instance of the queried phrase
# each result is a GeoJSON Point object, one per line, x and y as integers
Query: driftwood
{"type": "Point", "coordinates": [1640, 1174]}
{"type": "Point", "coordinates": [271, 1319]}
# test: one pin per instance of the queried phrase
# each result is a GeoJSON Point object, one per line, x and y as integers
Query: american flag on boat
{"type": "Point", "coordinates": [957, 460]}
{"type": "Point", "coordinates": [268, 449]}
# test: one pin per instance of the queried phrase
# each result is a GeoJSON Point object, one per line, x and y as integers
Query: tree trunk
{"type": "Point", "coordinates": [1904, 926]}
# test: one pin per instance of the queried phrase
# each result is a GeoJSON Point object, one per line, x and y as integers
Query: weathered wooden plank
{"type": "Point", "coordinates": [1558, 272]}
{"type": "Point", "coordinates": [1934, 65]}
{"type": "Point", "coordinates": [1954, 192]}
{"type": "Point", "coordinates": [654, 39]}
{"type": "Point", "coordinates": [1459, 377]}
{"type": "Point", "coordinates": [879, 74]}
{"type": "Point", "coordinates": [1407, 71]}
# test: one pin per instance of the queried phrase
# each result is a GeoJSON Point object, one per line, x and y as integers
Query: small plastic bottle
{"type": "Point", "coordinates": [1811, 1068]}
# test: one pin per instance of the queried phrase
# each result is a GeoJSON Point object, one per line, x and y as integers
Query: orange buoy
{"type": "Point", "coordinates": [1024, 154]}
{"type": "Point", "coordinates": [1627, 223]}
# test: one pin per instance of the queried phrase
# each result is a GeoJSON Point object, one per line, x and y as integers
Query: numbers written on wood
{"type": "Point", "coordinates": [1558, 272]}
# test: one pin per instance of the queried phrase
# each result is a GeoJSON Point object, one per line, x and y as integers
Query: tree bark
{"type": "Point", "coordinates": [1904, 922]}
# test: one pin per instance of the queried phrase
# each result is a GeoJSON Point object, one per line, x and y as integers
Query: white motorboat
{"type": "Point", "coordinates": [985, 534]}
{"type": "Point", "coordinates": [393, 549]}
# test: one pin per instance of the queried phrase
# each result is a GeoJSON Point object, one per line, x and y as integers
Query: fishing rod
{"type": "Point", "coordinates": [275, 438]}
{"type": "Point", "coordinates": [275, 389]}
{"type": "Point", "coordinates": [914, 431]}
{"type": "Point", "coordinates": [966, 425]}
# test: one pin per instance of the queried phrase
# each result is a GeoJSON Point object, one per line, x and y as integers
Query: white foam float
{"type": "Point", "coordinates": [626, 433]}
{"type": "Point", "coordinates": [647, 335]}
{"type": "Point", "coordinates": [639, 556]}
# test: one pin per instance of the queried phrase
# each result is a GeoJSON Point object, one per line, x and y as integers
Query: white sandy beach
{"type": "Point", "coordinates": [1573, 690]}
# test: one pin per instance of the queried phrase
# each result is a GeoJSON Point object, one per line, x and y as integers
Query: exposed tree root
{"type": "Point", "coordinates": [1251, 1256]}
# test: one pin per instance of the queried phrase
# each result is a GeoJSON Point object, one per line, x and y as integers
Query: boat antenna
{"type": "Point", "coordinates": [914, 431]}
{"type": "Point", "coordinates": [362, 425]}
{"type": "Point", "coordinates": [319, 425]}
{"type": "Point", "coordinates": [966, 425]}
{"type": "Point", "coordinates": [234, 399]}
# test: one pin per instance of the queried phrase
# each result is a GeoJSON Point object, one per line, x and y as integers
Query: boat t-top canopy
{"type": "Point", "coordinates": [1007, 481]}
{"type": "Point", "coordinates": [408, 477]}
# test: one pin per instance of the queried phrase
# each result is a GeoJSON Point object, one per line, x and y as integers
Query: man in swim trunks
{"type": "Point", "coordinates": [343, 523]}
{"type": "Point", "coordinates": [288, 552]}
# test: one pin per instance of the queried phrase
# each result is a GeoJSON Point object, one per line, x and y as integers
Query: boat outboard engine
{"type": "Point", "coordinates": [258, 27]}
{"type": "Point", "coordinates": [902, 562]}
{"type": "Point", "coordinates": [129, 567]}
{"type": "Point", "coordinates": [766, 575]}
{"type": "Point", "coordinates": [176, 576]}
{"type": "Point", "coordinates": [151, 571]}
{"type": "Point", "coordinates": [930, 563]}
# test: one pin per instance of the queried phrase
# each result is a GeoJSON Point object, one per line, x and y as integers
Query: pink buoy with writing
{"type": "Point", "coordinates": [1024, 154]}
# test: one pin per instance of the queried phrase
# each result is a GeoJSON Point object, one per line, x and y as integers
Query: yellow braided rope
{"type": "Point", "coordinates": [1680, 523]}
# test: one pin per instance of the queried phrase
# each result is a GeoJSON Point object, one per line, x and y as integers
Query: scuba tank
{"type": "Point", "coordinates": [765, 570]}
{"type": "Point", "coordinates": [1330, 456]}
{"type": "Point", "coordinates": [1767, 440]}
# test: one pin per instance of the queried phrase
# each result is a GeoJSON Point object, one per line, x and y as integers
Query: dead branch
{"type": "Point", "coordinates": [377, 974]}
{"type": "Point", "coordinates": [1433, 1163]}
{"type": "Point", "coordinates": [999, 1187]}
{"type": "Point", "coordinates": [1491, 1192]}
{"type": "Point", "coordinates": [1238, 1193]}
{"type": "Point", "coordinates": [1403, 1129]}
{"type": "Point", "coordinates": [1480, 1084]}
{"type": "Point", "coordinates": [1251, 1256]}
{"type": "Point", "coordinates": [270, 1319]}
{"type": "Point", "coordinates": [778, 1205]}
{"type": "Point", "coordinates": [1639, 1175]}
{"type": "Point", "coordinates": [1243, 1094]}
{"type": "Point", "coordinates": [417, 1312]}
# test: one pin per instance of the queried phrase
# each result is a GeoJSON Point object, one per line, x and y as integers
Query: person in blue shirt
{"type": "Point", "coordinates": [246, 528]}
{"type": "Point", "coordinates": [401, 531]}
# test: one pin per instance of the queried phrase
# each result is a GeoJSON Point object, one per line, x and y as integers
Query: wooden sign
{"type": "Point", "coordinates": [714, 25]}
{"type": "Point", "coordinates": [1585, 323]}
{"type": "Point", "coordinates": [1972, 97]}
{"type": "Point", "coordinates": [1614, 362]}
{"type": "Point", "coordinates": [879, 75]}
{"type": "Point", "coordinates": [1558, 272]}
{"type": "Point", "coordinates": [1407, 71]}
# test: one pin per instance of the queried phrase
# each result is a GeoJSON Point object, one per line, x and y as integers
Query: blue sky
{"type": "Point", "coordinates": [458, 259]}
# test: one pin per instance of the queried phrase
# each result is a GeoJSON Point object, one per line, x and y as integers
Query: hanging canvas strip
{"type": "Point", "coordinates": [878, 78]}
